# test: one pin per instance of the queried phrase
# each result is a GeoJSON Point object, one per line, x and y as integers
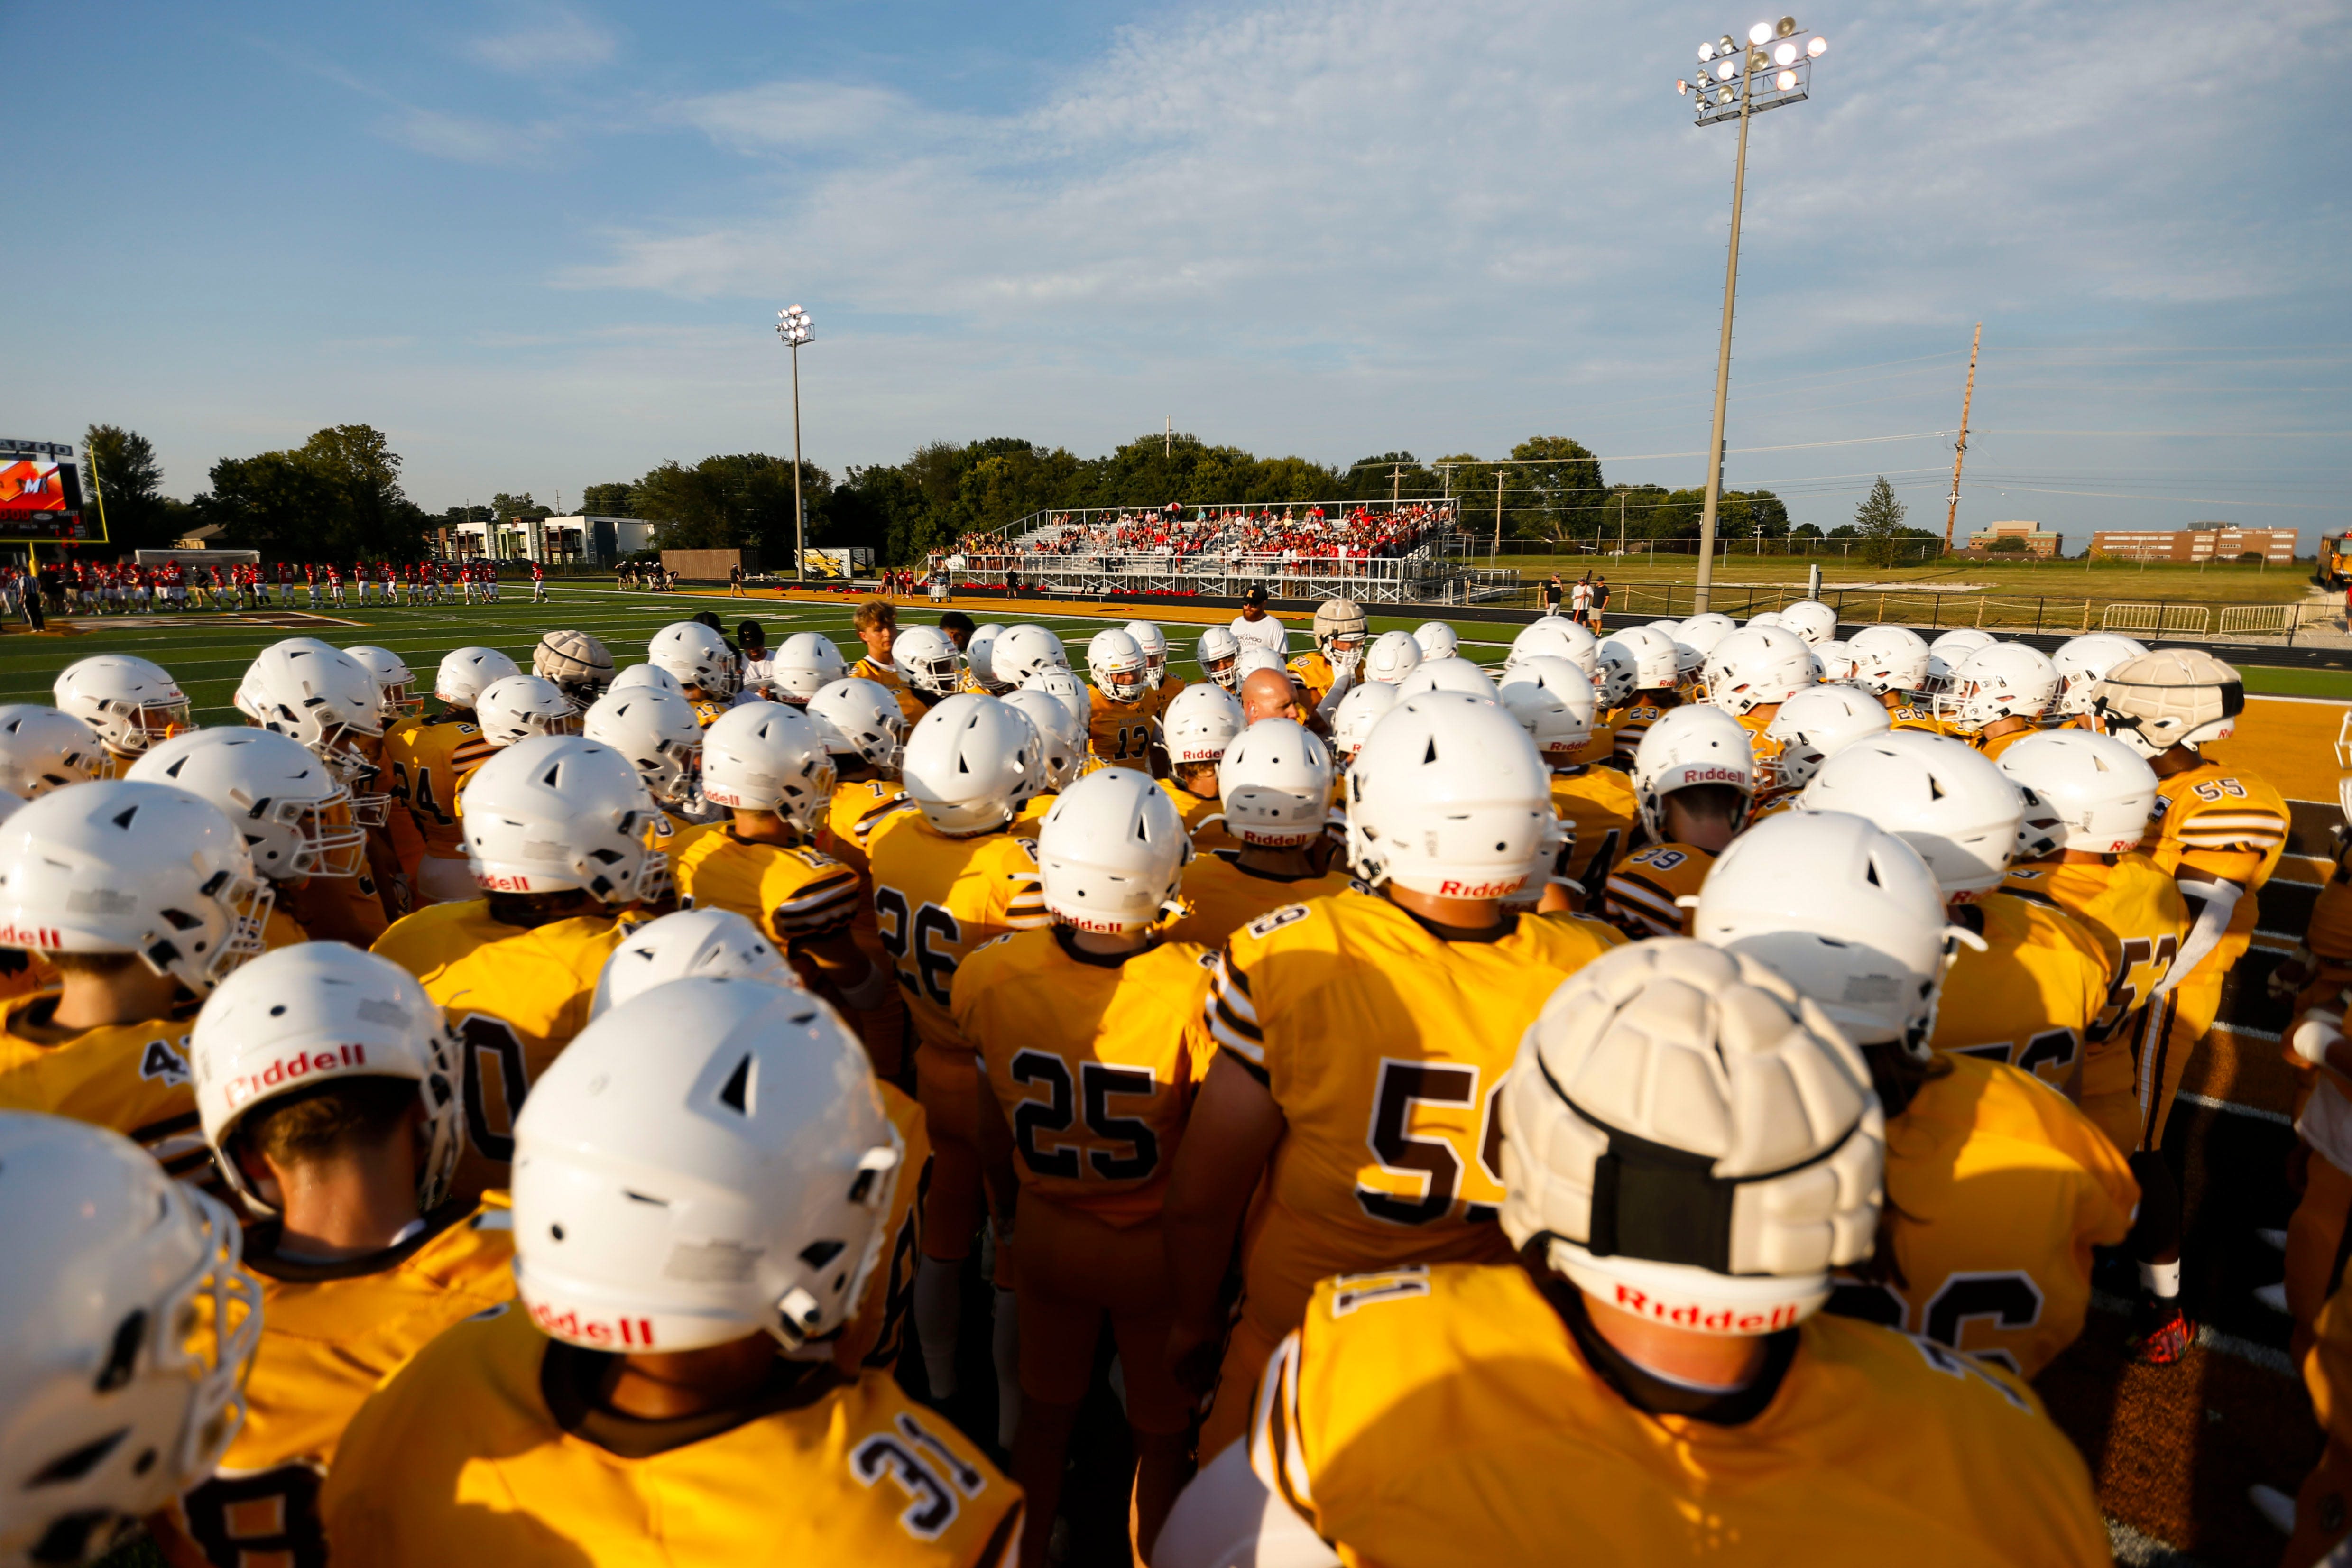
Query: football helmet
{"type": "Point", "coordinates": [1942, 797]}
{"type": "Point", "coordinates": [1450, 675]}
{"type": "Point", "coordinates": [646, 675]}
{"type": "Point", "coordinates": [1844, 912]}
{"type": "Point", "coordinates": [131, 1329]}
{"type": "Point", "coordinates": [1068, 689]}
{"type": "Point", "coordinates": [1115, 665]}
{"type": "Point", "coordinates": [1254, 659]}
{"type": "Point", "coordinates": [1340, 632]}
{"type": "Point", "coordinates": [464, 672]}
{"type": "Point", "coordinates": [1062, 738]}
{"type": "Point", "coordinates": [972, 763]}
{"type": "Point", "coordinates": [1889, 659]}
{"type": "Point", "coordinates": [1111, 851]}
{"type": "Point", "coordinates": [313, 1013]}
{"type": "Point", "coordinates": [294, 814]}
{"type": "Point", "coordinates": [689, 945]}
{"type": "Point", "coordinates": [1958, 643]}
{"type": "Point", "coordinates": [42, 749]}
{"type": "Point", "coordinates": [130, 702]}
{"type": "Point", "coordinates": [1689, 746]}
{"type": "Point", "coordinates": [1703, 632]}
{"type": "Point", "coordinates": [1553, 702]}
{"type": "Point", "coordinates": [1363, 707]}
{"type": "Point", "coordinates": [1024, 650]}
{"type": "Point", "coordinates": [1437, 640]}
{"type": "Point", "coordinates": [926, 659]}
{"type": "Point", "coordinates": [321, 697]}
{"type": "Point", "coordinates": [1756, 667]}
{"type": "Point", "coordinates": [1811, 726]}
{"type": "Point", "coordinates": [1392, 658]}
{"type": "Point", "coordinates": [978, 650]}
{"type": "Point", "coordinates": [520, 706]}
{"type": "Point", "coordinates": [697, 656]}
{"type": "Point", "coordinates": [864, 718]}
{"type": "Point", "coordinates": [1154, 644]}
{"type": "Point", "coordinates": [578, 664]}
{"type": "Point", "coordinates": [1275, 784]}
{"type": "Point", "coordinates": [705, 1161]}
{"type": "Point", "coordinates": [805, 664]}
{"type": "Point", "coordinates": [1836, 659]}
{"type": "Point", "coordinates": [1200, 723]}
{"type": "Point", "coordinates": [2007, 680]}
{"type": "Point", "coordinates": [560, 812]}
{"type": "Point", "coordinates": [1553, 637]}
{"type": "Point", "coordinates": [768, 756]}
{"type": "Point", "coordinates": [1688, 1139]}
{"type": "Point", "coordinates": [2091, 793]}
{"type": "Point", "coordinates": [1809, 619]}
{"type": "Point", "coordinates": [1645, 654]}
{"type": "Point", "coordinates": [2082, 662]}
{"type": "Point", "coordinates": [657, 731]}
{"type": "Point", "coordinates": [1449, 797]}
{"type": "Point", "coordinates": [2172, 697]}
{"type": "Point", "coordinates": [1218, 653]}
{"type": "Point", "coordinates": [395, 683]}
{"type": "Point", "coordinates": [119, 866]}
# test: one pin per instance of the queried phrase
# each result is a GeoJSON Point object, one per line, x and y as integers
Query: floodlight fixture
{"type": "Point", "coordinates": [1761, 32]}
{"type": "Point", "coordinates": [1784, 53]}
{"type": "Point", "coordinates": [1788, 25]}
{"type": "Point", "coordinates": [794, 328]}
{"type": "Point", "coordinates": [1816, 46]}
{"type": "Point", "coordinates": [1706, 53]}
{"type": "Point", "coordinates": [1785, 80]}
{"type": "Point", "coordinates": [1724, 46]}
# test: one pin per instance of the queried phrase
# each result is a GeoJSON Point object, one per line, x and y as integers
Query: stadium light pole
{"type": "Point", "coordinates": [1773, 69]}
{"type": "Point", "coordinates": [792, 326]}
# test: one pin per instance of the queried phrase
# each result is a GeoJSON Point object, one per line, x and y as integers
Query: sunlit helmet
{"type": "Point", "coordinates": [1116, 664]}
{"type": "Point", "coordinates": [130, 702]}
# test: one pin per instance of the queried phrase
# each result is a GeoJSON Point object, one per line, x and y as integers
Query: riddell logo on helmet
{"type": "Point", "coordinates": [1708, 772]}
{"type": "Point", "coordinates": [636, 1332]}
{"type": "Point", "coordinates": [1705, 1320]}
{"type": "Point", "coordinates": [499, 882]}
{"type": "Point", "coordinates": [1502, 890]}
{"type": "Point", "coordinates": [294, 1070]}
{"type": "Point", "coordinates": [30, 936]}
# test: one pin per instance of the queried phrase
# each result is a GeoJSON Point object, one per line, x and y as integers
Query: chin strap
{"type": "Point", "coordinates": [2216, 902]}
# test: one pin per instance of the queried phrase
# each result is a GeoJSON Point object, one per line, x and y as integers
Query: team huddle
{"type": "Point", "coordinates": [1655, 1100]}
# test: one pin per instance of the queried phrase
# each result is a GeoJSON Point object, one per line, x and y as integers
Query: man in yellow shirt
{"type": "Point", "coordinates": [1123, 718]}
{"type": "Point", "coordinates": [876, 622]}
{"type": "Point", "coordinates": [1276, 848]}
{"type": "Point", "coordinates": [1694, 779]}
{"type": "Point", "coordinates": [1328, 669]}
{"type": "Point", "coordinates": [2000, 696]}
{"type": "Point", "coordinates": [1195, 730]}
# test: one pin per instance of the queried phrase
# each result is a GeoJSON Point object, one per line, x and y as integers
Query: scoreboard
{"type": "Point", "coordinates": [41, 497]}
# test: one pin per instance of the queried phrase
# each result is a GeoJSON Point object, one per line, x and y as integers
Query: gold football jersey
{"type": "Point", "coordinates": [882, 673]}
{"type": "Point", "coordinates": [1386, 1046]}
{"type": "Point", "coordinates": [1225, 897]}
{"type": "Point", "coordinates": [862, 810]}
{"type": "Point", "coordinates": [1313, 674]}
{"type": "Point", "coordinates": [2227, 823]}
{"type": "Point", "coordinates": [1446, 1416]}
{"type": "Point", "coordinates": [1094, 1059]}
{"type": "Point", "coordinates": [797, 894]}
{"type": "Point", "coordinates": [488, 1447]}
{"type": "Point", "coordinates": [429, 764]}
{"type": "Point", "coordinates": [1996, 745]}
{"type": "Point", "coordinates": [2031, 997]}
{"type": "Point", "coordinates": [516, 997]}
{"type": "Point", "coordinates": [2135, 911]}
{"type": "Point", "coordinates": [396, 762]}
{"type": "Point", "coordinates": [876, 1335]}
{"type": "Point", "coordinates": [332, 1332]}
{"type": "Point", "coordinates": [131, 1078]}
{"type": "Point", "coordinates": [707, 711]}
{"type": "Point", "coordinates": [1194, 809]}
{"type": "Point", "coordinates": [2329, 936]}
{"type": "Point", "coordinates": [1119, 733]}
{"type": "Point", "coordinates": [1997, 1190]}
{"type": "Point", "coordinates": [1633, 721]}
{"type": "Point", "coordinates": [1641, 901]}
{"type": "Point", "coordinates": [1598, 808]}
{"type": "Point", "coordinates": [1917, 716]}
{"type": "Point", "coordinates": [939, 899]}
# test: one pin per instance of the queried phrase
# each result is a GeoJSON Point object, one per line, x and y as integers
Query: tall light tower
{"type": "Point", "coordinates": [1775, 68]}
{"type": "Point", "coordinates": [792, 326]}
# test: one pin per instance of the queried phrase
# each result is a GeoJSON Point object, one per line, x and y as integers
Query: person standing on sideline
{"type": "Point", "coordinates": [1600, 605]}
{"type": "Point", "coordinates": [1552, 596]}
{"type": "Point", "coordinates": [735, 580]}
{"type": "Point", "coordinates": [1255, 628]}
{"type": "Point", "coordinates": [1579, 601]}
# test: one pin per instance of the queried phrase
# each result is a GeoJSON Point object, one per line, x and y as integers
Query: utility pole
{"type": "Point", "coordinates": [1498, 517]}
{"type": "Point", "coordinates": [1168, 439]}
{"type": "Point", "coordinates": [1961, 449]}
{"type": "Point", "coordinates": [1396, 485]}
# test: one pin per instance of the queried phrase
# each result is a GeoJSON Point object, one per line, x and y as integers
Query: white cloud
{"type": "Point", "coordinates": [550, 39]}
{"type": "Point", "coordinates": [468, 139]}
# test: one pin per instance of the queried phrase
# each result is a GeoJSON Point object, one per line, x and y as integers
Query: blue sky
{"type": "Point", "coordinates": [542, 244]}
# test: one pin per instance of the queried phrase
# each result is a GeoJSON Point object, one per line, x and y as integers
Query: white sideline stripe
{"type": "Point", "coordinates": [2248, 1030]}
{"type": "Point", "coordinates": [2232, 1108]}
{"type": "Point", "coordinates": [2212, 1338]}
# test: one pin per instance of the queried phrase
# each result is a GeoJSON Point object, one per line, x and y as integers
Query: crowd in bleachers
{"type": "Point", "coordinates": [1295, 533]}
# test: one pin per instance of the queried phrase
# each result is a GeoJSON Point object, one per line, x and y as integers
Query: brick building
{"type": "Point", "coordinates": [2213, 542]}
{"type": "Point", "coordinates": [1986, 542]}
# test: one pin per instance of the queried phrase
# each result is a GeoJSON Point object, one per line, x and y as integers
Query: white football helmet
{"type": "Point", "coordinates": [1645, 655]}
{"type": "Point", "coordinates": [1810, 727]}
{"type": "Point", "coordinates": [42, 749]}
{"type": "Point", "coordinates": [2172, 697]}
{"type": "Point", "coordinates": [1154, 644]}
{"type": "Point", "coordinates": [1111, 852]}
{"type": "Point", "coordinates": [1115, 665]}
{"type": "Point", "coordinates": [972, 763]}
{"type": "Point", "coordinates": [978, 650]}
{"type": "Point", "coordinates": [295, 815]}
{"type": "Point", "coordinates": [1690, 1139]}
{"type": "Point", "coordinates": [1889, 659]}
{"type": "Point", "coordinates": [321, 697]}
{"type": "Point", "coordinates": [697, 656]}
{"type": "Point", "coordinates": [1339, 631]}
{"type": "Point", "coordinates": [1203, 722]}
{"type": "Point", "coordinates": [395, 683]}
{"type": "Point", "coordinates": [768, 756]}
{"type": "Point", "coordinates": [1449, 797]}
{"type": "Point", "coordinates": [1392, 658]}
{"type": "Point", "coordinates": [1686, 747]}
{"type": "Point", "coordinates": [1940, 796]}
{"type": "Point", "coordinates": [1553, 702]}
{"type": "Point", "coordinates": [1756, 667]}
{"type": "Point", "coordinates": [464, 672]}
{"type": "Point", "coordinates": [1362, 708]}
{"type": "Point", "coordinates": [1218, 653]}
{"type": "Point", "coordinates": [578, 664]}
{"type": "Point", "coordinates": [1254, 659]}
{"type": "Point", "coordinates": [1837, 660]}
{"type": "Point", "coordinates": [1553, 637]}
{"type": "Point", "coordinates": [1062, 738]}
{"type": "Point", "coordinates": [692, 944]}
{"type": "Point", "coordinates": [1068, 689]}
{"type": "Point", "coordinates": [864, 718]}
{"type": "Point", "coordinates": [313, 1013]}
{"type": "Point", "coordinates": [1763, 618]}
{"type": "Point", "coordinates": [1703, 632]}
{"type": "Point", "coordinates": [560, 812]}
{"type": "Point", "coordinates": [1275, 783]}
{"type": "Point", "coordinates": [2082, 662]}
{"type": "Point", "coordinates": [707, 1160]}
{"type": "Point", "coordinates": [2007, 680]}
{"type": "Point", "coordinates": [657, 731]}
{"type": "Point", "coordinates": [124, 866]}
{"type": "Point", "coordinates": [1024, 650]}
{"type": "Point", "coordinates": [646, 675]}
{"type": "Point", "coordinates": [517, 706]}
{"type": "Point", "coordinates": [1961, 642]}
{"type": "Point", "coordinates": [926, 659]}
{"type": "Point", "coordinates": [2091, 793]}
{"type": "Point", "coordinates": [1449, 675]}
{"type": "Point", "coordinates": [1844, 912]}
{"type": "Point", "coordinates": [132, 1330]}
{"type": "Point", "coordinates": [805, 664]}
{"type": "Point", "coordinates": [130, 702]}
{"type": "Point", "coordinates": [1811, 620]}
{"type": "Point", "coordinates": [1437, 640]}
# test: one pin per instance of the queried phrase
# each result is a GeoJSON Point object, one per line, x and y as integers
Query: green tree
{"type": "Point", "coordinates": [608, 501]}
{"type": "Point", "coordinates": [138, 515]}
{"type": "Point", "coordinates": [1878, 523]}
{"type": "Point", "coordinates": [517, 508]}
{"type": "Point", "coordinates": [336, 496]}
{"type": "Point", "coordinates": [730, 501]}
{"type": "Point", "coordinates": [1559, 488]}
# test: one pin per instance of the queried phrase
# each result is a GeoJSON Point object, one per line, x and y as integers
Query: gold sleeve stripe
{"type": "Point", "coordinates": [2197, 838]}
{"type": "Point", "coordinates": [1647, 903]}
{"type": "Point", "coordinates": [1232, 1015]}
{"type": "Point", "coordinates": [863, 827]}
